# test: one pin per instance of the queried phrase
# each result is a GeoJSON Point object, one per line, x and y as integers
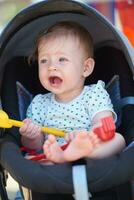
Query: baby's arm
{"type": "Point", "coordinates": [31, 135]}
{"type": "Point", "coordinates": [110, 147]}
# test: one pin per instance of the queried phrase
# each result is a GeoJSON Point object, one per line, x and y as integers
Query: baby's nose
{"type": "Point", "coordinates": [52, 67]}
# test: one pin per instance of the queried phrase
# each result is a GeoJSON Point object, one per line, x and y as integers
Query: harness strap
{"type": "Point", "coordinates": [80, 182]}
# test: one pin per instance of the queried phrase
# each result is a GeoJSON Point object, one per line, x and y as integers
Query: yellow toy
{"type": "Point", "coordinates": [5, 122]}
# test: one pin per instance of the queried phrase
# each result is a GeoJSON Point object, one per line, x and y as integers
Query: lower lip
{"type": "Point", "coordinates": [55, 84]}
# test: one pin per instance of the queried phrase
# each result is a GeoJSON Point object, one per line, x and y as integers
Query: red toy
{"type": "Point", "coordinates": [105, 132]}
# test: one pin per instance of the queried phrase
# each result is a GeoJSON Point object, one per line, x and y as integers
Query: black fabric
{"type": "Point", "coordinates": [98, 196]}
{"type": "Point", "coordinates": [3, 193]}
{"type": "Point", "coordinates": [109, 62]}
{"type": "Point", "coordinates": [41, 196]}
{"type": "Point", "coordinates": [18, 70]}
{"type": "Point", "coordinates": [57, 179]}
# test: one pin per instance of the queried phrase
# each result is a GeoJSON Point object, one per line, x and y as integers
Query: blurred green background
{"type": "Point", "coordinates": [9, 8]}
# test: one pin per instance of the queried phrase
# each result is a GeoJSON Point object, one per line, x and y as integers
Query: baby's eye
{"type": "Point", "coordinates": [62, 59]}
{"type": "Point", "coordinates": [44, 60]}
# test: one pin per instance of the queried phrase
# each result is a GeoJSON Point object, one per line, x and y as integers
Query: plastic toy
{"type": "Point", "coordinates": [104, 132]}
{"type": "Point", "coordinates": [107, 130]}
{"type": "Point", "coordinates": [5, 122]}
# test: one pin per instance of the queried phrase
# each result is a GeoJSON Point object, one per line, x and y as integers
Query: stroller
{"type": "Point", "coordinates": [107, 178]}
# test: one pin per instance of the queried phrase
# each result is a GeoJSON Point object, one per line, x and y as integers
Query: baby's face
{"type": "Point", "coordinates": [61, 66]}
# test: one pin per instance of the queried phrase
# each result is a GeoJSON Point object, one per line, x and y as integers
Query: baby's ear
{"type": "Point", "coordinates": [88, 67]}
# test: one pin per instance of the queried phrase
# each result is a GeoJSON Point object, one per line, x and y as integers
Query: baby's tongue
{"type": "Point", "coordinates": [55, 80]}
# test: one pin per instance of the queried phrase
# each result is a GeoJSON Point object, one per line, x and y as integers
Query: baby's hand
{"type": "Point", "coordinates": [30, 129]}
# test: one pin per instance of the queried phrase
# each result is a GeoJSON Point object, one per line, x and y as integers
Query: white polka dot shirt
{"type": "Point", "coordinates": [74, 115]}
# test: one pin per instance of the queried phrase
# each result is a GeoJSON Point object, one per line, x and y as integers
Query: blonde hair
{"type": "Point", "coordinates": [66, 28]}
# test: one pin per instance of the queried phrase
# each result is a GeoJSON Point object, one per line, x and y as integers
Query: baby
{"type": "Point", "coordinates": [65, 59]}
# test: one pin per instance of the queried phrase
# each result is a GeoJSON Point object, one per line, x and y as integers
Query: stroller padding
{"type": "Point", "coordinates": [47, 179]}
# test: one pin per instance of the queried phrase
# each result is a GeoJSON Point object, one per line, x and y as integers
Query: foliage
{"type": "Point", "coordinates": [9, 8]}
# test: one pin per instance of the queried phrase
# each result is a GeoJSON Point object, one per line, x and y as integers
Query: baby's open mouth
{"type": "Point", "coordinates": [55, 80]}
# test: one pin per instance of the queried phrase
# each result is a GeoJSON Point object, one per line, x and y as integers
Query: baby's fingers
{"type": "Point", "coordinates": [32, 131]}
{"type": "Point", "coordinates": [35, 131]}
{"type": "Point", "coordinates": [29, 129]}
{"type": "Point", "coordinates": [24, 128]}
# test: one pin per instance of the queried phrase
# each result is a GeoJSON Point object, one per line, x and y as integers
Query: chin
{"type": "Point", "coordinates": [55, 91]}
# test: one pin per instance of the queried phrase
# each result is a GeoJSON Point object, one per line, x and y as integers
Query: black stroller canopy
{"type": "Point", "coordinates": [17, 40]}
{"type": "Point", "coordinates": [25, 26]}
